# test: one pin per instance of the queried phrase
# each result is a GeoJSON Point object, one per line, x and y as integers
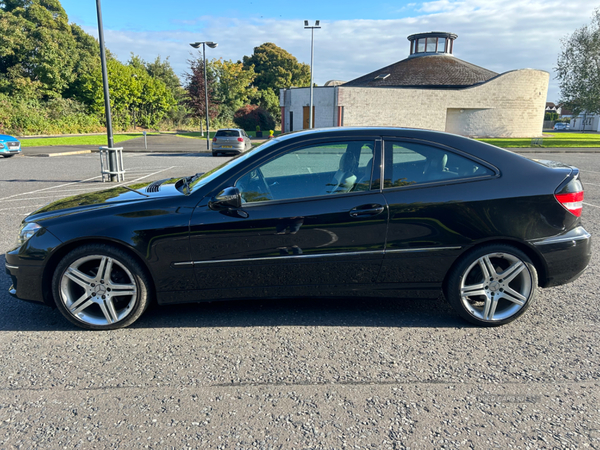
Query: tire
{"type": "Point", "coordinates": [215, 154]}
{"type": "Point", "coordinates": [100, 287]}
{"type": "Point", "coordinates": [492, 285]}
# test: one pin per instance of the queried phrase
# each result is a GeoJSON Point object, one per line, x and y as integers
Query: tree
{"type": "Point", "coordinates": [40, 53]}
{"type": "Point", "coordinates": [275, 69]}
{"type": "Point", "coordinates": [132, 91]}
{"type": "Point", "coordinates": [195, 94]}
{"type": "Point", "coordinates": [578, 68]}
{"type": "Point", "coordinates": [250, 117]}
{"type": "Point", "coordinates": [234, 83]}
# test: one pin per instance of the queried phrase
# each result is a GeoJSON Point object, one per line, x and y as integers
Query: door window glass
{"type": "Point", "coordinates": [319, 169]}
{"type": "Point", "coordinates": [417, 163]}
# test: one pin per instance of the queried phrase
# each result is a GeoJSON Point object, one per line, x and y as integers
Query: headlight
{"type": "Point", "coordinates": [27, 231]}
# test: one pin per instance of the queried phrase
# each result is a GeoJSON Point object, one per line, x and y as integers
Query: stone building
{"type": "Point", "coordinates": [430, 89]}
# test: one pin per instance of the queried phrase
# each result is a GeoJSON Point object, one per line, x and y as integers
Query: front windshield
{"type": "Point", "coordinates": [207, 177]}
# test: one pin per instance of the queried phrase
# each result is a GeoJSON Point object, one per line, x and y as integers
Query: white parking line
{"type": "Point", "coordinates": [30, 207]}
{"type": "Point", "coordinates": [589, 204]}
{"type": "Point", "coordinates": [99, 188]}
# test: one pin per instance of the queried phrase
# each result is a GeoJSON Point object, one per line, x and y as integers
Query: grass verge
{"type": "Point", "coordinates": [96, 140]}
{"type": "Point", "coordinates": [554, 140]}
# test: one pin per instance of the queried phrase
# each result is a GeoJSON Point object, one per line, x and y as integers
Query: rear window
{"type": "Point", "coordinates": [227, 133]}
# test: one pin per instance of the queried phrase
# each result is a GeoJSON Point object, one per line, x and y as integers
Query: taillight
{"type": "Point", "coordinates": [573, 202]}
{"type": "Point", "coordinates": [240, 139]}
{"type": "Point", "coordinates": [214, 139]}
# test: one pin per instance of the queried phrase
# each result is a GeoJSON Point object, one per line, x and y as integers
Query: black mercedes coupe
{"type": "Point", "coordinates": [368, 212]}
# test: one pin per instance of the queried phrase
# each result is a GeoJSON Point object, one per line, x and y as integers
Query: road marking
{"type": "Point", "coordinates": [19, 207]}
{"type": "Point", "coordinates": [589, 204]}
{"type": "Point", "coordinates": [103, 187]}
{"type": "Point", "coordinates": [51, 187]}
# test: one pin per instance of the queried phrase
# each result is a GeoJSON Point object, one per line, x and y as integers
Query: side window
{"type": "Point", "coordinates": [417, 163]}
{"type": "Point", "coordinates": [319, 169]}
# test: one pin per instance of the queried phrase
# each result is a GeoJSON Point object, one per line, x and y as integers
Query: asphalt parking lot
{"type": "Point", "coordinates": [295, 374]}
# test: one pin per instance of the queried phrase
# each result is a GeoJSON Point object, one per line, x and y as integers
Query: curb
{"type": "Point", "coordinates": [45, 155]}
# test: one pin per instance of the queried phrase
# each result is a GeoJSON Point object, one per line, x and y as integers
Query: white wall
{"type": "Point", "coordinates": [295, 99]}
{"type": "Point", "coordinates": [509, 105]}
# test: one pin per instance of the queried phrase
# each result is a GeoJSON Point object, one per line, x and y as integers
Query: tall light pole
{"type": "Point", "coordinates": [312, 51]}
{"type": "Point", "coordinates": [211, 45]}
{"type": "Point", "coordinates": [112, 158]}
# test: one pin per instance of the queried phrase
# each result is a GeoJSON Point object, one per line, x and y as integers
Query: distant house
{"type": "Point", "coordinates": [585, 122]}
{"type": "Point", "coordinates": [430, 89]}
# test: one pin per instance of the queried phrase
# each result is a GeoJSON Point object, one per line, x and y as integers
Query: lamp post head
{"type": "Point", "coordinates": [316, 25]}
{"type": "Point", "coordinates": [198, 44]}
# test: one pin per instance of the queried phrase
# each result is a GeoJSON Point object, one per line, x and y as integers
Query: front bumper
{"type": "Point", "coordinates": [566, 256]}
{"type": "Point", "coordinates": [25, 265]}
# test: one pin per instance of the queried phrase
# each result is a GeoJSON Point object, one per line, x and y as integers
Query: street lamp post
{"type": "Point", "coordinates": [211, 45]}
{"type": "Point", "coordinates": [312, 51]}
{"type": "Point", "coordinates": [112, 159]}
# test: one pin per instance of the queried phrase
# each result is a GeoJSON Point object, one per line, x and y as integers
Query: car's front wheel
{"type": "Point", "coordinates": [100, 287]}
{"type": "Point", "coordinates": [492, 285]}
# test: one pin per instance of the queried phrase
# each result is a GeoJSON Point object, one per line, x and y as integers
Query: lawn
{"type": "Point", "coordinates": [551, 140]}
{"type": "Point", "coordinates": [96, 140]}
{"type": "Point", "coordinates": [198, 135]}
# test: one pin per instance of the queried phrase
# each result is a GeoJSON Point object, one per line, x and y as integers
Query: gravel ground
{"type": "Point", "coordinates": [294, 374]}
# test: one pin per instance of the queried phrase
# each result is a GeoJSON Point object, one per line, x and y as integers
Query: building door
{"type": "Point", "coordinates": [306, 117]}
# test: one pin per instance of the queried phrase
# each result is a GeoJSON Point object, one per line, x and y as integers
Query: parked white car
{"type": "Point", "coordinates": [230, 141]}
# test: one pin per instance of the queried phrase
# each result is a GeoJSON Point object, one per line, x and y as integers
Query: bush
{"type": "Point", "coordinates": [250, 117]}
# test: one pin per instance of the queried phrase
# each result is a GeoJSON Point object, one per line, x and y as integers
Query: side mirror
{"type": "Point", "coordinates": [228, 198]}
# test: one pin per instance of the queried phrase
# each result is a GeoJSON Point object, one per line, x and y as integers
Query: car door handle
{"type": "Point", "coordinates": [366, 210]}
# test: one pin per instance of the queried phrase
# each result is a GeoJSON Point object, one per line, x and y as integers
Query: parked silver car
{"type": "Point", "coordinates": [230, 140]}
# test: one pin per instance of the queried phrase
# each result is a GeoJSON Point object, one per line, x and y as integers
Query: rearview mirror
{"type": "Point", "coordinates": [228, 198]}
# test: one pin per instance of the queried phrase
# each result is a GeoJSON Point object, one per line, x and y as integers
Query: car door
{"type": "Point", "coordinates": [313, 216]}
{"type": "Point", "coordinates": [433, 194]}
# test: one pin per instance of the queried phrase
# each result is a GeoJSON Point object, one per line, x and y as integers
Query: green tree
{"type": "Point", "coordinates": [41, 54]}
{"type": "Point", "coordinates": [132, 92]}
{"type": "Point", "coordinates": [233, 88]}
{"type": "Point", "coordinates": [275, 69]}
{"type": "Point", "coordinates": [578, 68]}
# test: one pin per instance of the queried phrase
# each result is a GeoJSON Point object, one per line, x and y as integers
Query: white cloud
{"type": "Point", "coordinates": [497, 35]}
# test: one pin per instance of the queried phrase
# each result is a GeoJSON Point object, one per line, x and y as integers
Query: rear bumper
{"type": "Point", "coordinates": [566, 256]}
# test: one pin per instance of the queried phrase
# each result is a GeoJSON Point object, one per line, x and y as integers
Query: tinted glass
{"type": "Point", "coordinates": [421, 45]}
{"type": "Point", "coordinates": [319, 169]}
{"type": "Point", "coordinates": [227, 133]}
{"type": "Point", "coordinates": [417, 163]}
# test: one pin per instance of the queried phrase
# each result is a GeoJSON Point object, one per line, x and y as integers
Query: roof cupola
{"type": "Point", "coordinates": [432, 43]}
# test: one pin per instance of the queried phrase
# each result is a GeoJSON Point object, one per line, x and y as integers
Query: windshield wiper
{"type": "Point", "coordinates": [136, 191]}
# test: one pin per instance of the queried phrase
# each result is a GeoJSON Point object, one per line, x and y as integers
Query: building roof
{"type": "Point", "coordinates": [438, 71]}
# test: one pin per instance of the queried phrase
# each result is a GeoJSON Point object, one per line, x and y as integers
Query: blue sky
{"type": "Point", "coordinates": [356, 37]}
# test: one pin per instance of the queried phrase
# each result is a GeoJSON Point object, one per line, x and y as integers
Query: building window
{"type": "Point", "coordinates": [431, 44]}
{"type": "Point", "coordinates": [441, 45]}
{"type": "Point", "coordinates": [421, 45]}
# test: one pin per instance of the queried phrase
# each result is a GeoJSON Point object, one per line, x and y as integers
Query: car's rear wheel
{"type": "Point", "coordinates": [493, 285]}
{"type": "Point", "coordinates": [100, 287]}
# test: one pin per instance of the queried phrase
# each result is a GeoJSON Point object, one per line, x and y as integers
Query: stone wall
{"type": "Point", "coordinates": [509, 105]}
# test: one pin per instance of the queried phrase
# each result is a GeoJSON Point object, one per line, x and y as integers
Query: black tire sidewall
{"type": "Point", "coordinates": [139, 277]}
{"type": "Point", "coordinates": [458, 271]}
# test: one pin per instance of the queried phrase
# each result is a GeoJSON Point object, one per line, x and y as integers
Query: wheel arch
{"type": "Point", "coordinates": [69, 246]}
{"type": "Point", "coordinates": [530, 251]}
